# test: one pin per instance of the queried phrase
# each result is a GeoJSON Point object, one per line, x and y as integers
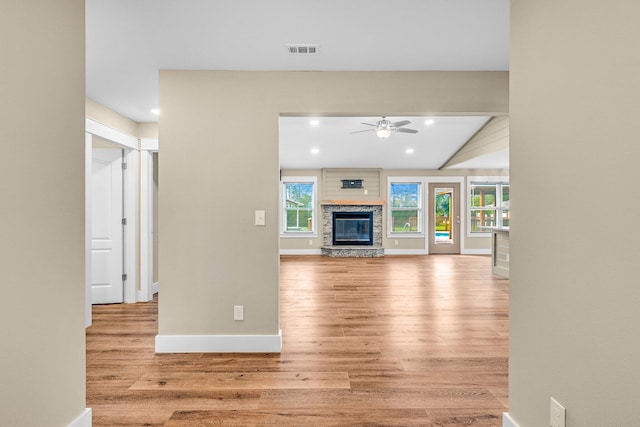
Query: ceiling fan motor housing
{"type": "Point", "coordinates": [384, 124]}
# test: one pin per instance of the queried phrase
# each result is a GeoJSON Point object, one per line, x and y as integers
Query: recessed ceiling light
{"type": "Point", "coordinates": [409, 151]}
{"type": "Point", "coordinates": [155, 111]}
{"type": "Point", "coordinates": [315, 151]}
{"type": "Point", "coordinates": [429, 122]}
{"type": "Point", "coordinates": [314, 122]}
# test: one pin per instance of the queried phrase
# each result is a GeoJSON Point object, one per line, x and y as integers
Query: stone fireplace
{"type": "Point", "coordinates": [358, 228]}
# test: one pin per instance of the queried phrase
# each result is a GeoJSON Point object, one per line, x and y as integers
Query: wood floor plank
{"type": "Point", "coordinates": [242, 381]}
{"type": "Point", "coordinates": [456, 364]}
{"type": "Point", "coordinates": [127, 417]}
{"type": "Point", "coordinates": [145, 402]}
{"type": "Point", "coordinates": [487, 417]}
{"type": "Point", "coordinates": [425, 380]}
{"type": "Point", "coordinates": [328, 418]}
{"type": "Point", "coordinates": [391, 398]}
{"type": "Point", "coordinates": [299, 362]}
{"type": "Point", "coordinates": [394, 341]}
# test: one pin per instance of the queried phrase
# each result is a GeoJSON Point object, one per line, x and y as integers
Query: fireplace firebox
{"type": "Point", "coordinates": [353, 228]}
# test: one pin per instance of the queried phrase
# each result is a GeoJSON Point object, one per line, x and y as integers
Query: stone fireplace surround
{"type": "Point", "coordinates": [331, 206]}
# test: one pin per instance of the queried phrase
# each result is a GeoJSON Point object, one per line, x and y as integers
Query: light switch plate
{"type": "Point", "coordinates": [238, 312]}
{"type": "Point", "coordinates": [261, 218]}
{"type": "Point", "coordinates": [557, 414]}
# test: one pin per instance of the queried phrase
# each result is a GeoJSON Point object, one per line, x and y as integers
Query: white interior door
{"type": "Point", "coordinates": [106, 227]}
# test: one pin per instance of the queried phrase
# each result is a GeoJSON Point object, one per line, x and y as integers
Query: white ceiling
{"type": "Point", "coordinates": [128, 42]}
{"type": "Point", "coordinates": [329, 144]}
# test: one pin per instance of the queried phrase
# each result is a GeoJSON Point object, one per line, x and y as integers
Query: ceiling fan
{"type": "Point", "coordinates": [384, 127]}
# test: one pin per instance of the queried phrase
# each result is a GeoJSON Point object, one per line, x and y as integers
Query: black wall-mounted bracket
{"type": "Point", "coordinates": [351, 183]}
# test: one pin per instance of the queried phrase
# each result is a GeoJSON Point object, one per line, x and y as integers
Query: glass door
{"type": "Point", "coordinates": [444, 218]}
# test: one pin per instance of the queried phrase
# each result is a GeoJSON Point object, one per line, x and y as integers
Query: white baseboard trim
{"type": "Point", "coordinates": [300, 252]}
{"type": "Point", "coordinates": [219, 343]}
{"type": "Point", "coordinates": [84, 420]}
{"type": "Point", "coordinates": [476, 252]}
{"type": "Point", "coordinates": [507, 421]}
{"type": "Point", "coordinates": [406, 252]}
{"type": "Point", "coordinates": [143, 297]}
{"type": "Point", "coordinates": [386, 252]}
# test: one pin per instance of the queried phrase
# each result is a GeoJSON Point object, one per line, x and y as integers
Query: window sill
{"type": "Point", "coordinates": [478, 234]}
{"type": "Point", "coordinates": [405, 235]}
{"type": "Point", "coordinates": [299, 235]}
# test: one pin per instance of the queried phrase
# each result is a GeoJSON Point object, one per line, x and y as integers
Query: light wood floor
{"type": "Point", "coordinates": [405, 341]}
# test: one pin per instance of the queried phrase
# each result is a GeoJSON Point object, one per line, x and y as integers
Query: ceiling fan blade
{"type": "Point", "coordinates": [400, 123]}
{"type": "Point", "coordinates": [405, 130]}
{"type": "Point", "coordinates": [368, 124]}
{"type": "Point", "coordinates": [366, 130]}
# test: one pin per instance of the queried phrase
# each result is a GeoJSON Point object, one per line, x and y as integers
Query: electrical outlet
{"type": "Point", "coordinates": [366, 192]}
{"type": "Point", "coordinates": [310, 242]}
{"type": "Point", "coordinates": [557, 414]}
{"type": "Point", "coordinates": [238, 312]}
{"type": "Point", "coordinates": [396, 242]}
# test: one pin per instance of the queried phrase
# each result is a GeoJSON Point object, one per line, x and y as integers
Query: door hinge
{"type": "Point", "coordinates": [124, 277]}
{"type": "Point", "coordinates": [124, 166]}
{"type": "Point", "coordinates": [124, 221]}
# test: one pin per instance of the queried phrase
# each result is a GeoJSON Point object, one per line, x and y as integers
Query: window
{"type": "Point", "coordinates": [298, 205]}
{"type": "Point", "coordinates": [488, 206]}
{"type": "Point", "coordinates": [505, 205]}
{"type": "Point", "coordinates": [405, 207]}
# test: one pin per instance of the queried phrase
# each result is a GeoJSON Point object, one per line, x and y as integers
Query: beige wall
{"type": "Point", "coordinates": [42, 213]}
{"type": "Point", "coordinates": [214, 177]}
{"type": "Point", "coordinates": [108, 117]}
{"type": "Point", "coordinates": [147, 130]}
{"type": "Point", "coordinates": [574, 314]}
{"type": "Point", "coordinates": [418, 244]}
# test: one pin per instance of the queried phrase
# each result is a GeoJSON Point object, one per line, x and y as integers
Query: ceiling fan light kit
{"type": "Point", "coordinates": [383, 133]}
{"type": "Point", "coordinates": [383, 128]}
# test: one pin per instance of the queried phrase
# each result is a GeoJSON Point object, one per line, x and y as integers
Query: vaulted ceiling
{"type": "Point", "coordinates": [314, 143]}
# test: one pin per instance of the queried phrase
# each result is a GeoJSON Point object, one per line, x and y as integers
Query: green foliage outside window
{"type": "Point", "coordinates": [405, 207]}
{"type": "Point", "coordinates": [298, 198]}
{"type": "Point", "coordinates": [443, 212]}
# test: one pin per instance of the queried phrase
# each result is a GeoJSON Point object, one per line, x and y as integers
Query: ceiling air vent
{"type": "Point", "coordinates": [303, 48]}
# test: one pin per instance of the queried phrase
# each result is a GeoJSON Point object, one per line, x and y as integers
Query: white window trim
{"type": "Point", "coordinates": [314, 213]}
{"type": "Point", "coordinates": [406, 180]}
{"type": "Point", "coordinates": [425, 180]}
{"type": "Point", "coordinates": [481, 179]}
